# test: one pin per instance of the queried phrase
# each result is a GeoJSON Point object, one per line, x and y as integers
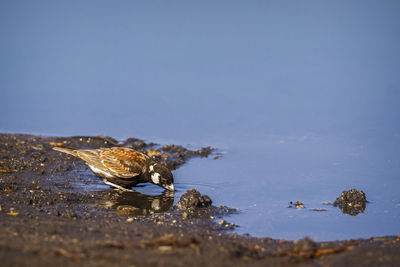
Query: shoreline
{"type": "Point", "coordinates": [48, 219]}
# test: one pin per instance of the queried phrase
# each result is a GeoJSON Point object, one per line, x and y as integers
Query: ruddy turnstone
{"type": "Point", "coordinates": [123, 167]}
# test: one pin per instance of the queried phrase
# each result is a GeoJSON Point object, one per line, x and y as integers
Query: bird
{"type": "Point", "coordinates": [122, 167]}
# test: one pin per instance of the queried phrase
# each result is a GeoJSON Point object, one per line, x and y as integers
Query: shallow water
{"type": "Point", "coordinates": [301, 98]}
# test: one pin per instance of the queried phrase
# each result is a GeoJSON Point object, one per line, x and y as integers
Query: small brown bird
{"type": "Point", "coordinates": [123, 167]}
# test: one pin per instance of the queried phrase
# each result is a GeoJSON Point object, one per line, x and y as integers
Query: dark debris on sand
{"type": "Point", "coordinates": [52, 213]}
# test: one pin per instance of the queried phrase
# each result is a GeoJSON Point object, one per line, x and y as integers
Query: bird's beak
{"type": "Point", "coordinates": [170, 187]}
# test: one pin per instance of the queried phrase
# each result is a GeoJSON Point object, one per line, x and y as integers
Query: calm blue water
{"type": "Point", "coordinates": [301, 97]}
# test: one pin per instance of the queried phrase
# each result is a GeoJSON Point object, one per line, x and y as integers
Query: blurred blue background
{"type": "Point", "coordinates": [301, 96]}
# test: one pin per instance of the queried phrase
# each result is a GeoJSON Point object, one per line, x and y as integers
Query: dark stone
{"type": "Point", "coordinates": [192, 200]}
{"type": "Point", "coordinates": [351, 202]}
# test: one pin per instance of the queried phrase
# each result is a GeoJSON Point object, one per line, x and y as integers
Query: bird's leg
{"type": "Point", "coordinates": [117, 186]}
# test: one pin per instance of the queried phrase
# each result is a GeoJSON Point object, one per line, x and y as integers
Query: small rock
{"type": "Point", "coordinates": [192, 199]}
{"type": "Point", "coordinates": [129, 220]}
{"type": "Point", "coordinates": [351, 202]}
{"type": "Point", "coordinates": [164, 248]}
{"type": "Point", "coordinates": [297, 204]}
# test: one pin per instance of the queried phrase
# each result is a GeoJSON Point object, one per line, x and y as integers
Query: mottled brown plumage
{"type": "Point", "coordinates": [123, 167]}
{"type": "Point", "coordinates": [124, 162]}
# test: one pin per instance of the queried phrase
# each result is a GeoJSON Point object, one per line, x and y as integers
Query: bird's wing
{"type": "Point", "coordinates": [90, 156]}
{"type": "Point", "coordinates": [123, 162]}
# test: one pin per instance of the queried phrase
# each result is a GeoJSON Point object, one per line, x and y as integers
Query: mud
{"type": "Point", "coordinates": [53, 211]}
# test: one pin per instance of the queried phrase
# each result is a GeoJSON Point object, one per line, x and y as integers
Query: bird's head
{"type": "Point", "coordinates": [161, 176]}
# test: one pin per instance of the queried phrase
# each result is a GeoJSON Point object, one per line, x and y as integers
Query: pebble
{"type": "Point", "coordinates": [164, 248]}
{"type": "Point", "coordinates": [129, 220]}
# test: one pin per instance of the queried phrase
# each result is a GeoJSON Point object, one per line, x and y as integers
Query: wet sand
{"type": "Point", "coordinates": [49, 215]}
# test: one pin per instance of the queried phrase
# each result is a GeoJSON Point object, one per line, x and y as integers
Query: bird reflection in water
{"type": "Point", "coordinates": [136, 203]}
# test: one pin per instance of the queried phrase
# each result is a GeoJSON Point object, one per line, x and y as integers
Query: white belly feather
{"type": "Point", "coordinates": [100, 172]}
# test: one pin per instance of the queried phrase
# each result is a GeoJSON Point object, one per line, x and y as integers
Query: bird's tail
{"type": "Point", "coordinates": [66, 150]}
